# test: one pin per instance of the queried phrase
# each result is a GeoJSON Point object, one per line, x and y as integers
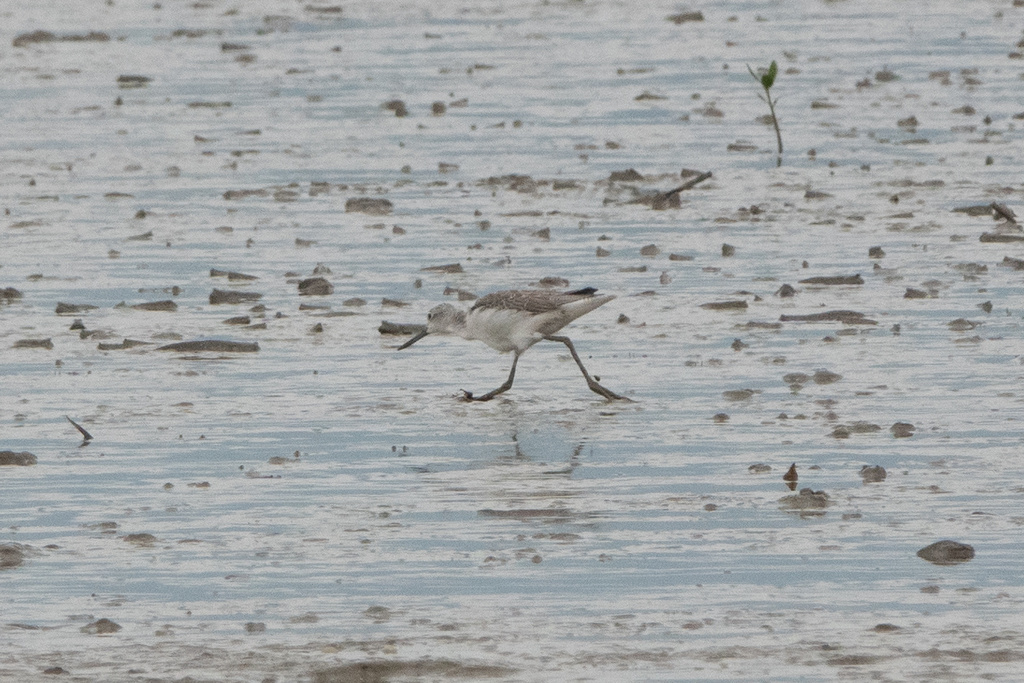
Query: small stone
{"type": "Point", "coordinates": [902, 430]}
{"type": "Point", "coordinates": [806, 499]}
{"type": "Point", "coordinates": [140, 539]}
{"type": "Point", "coordinates": [872, 474]}
{"type": "Point", "coordinates": [222, 296]}
{"type": "Point", "coordinates": [790, 474]}
{"type": "Point", "coordinates": [446, 268]}
{"type": "Point", "coordinates": [876, 252]}
{"type": "Point", "coordinates": [739, 394]}
{"type": "Point", "coordinates": [11, 555]}
{"type": "Point", "coordinates": [735, 305]}
{"type": "Point", "coordinates": [796, 378]}
{"type": "Point", "coordinates": [629, 175]}
{"type": "Point", "coordinates": [833, 280]}
{"type": "Point", "coordinates": [101, 627]}
{"type": "Point", "coordinates": [22, 459]}
{"type": "Point", "coordinates": [845, 317]}
{"type": "Point", "coordinates": [1008, 261]}
{"type": "Point", "coordinates": [33, 344]}
{"type": "Point", "coordinates": [825, 377]}
{"type": "Point", "coordinates": [211, 346]}
{"type": "Point", "coordinates": [961, 325]}
{"type": "Point", "coordinates": [368, 205]}
{"type": "Point", "coordinates": [166, 306]}
{"type": "Point", "coordinates": [685, 17]}
{"type": "Point", "coordinates": [64, 308]}
{"type": "Point", "coordinates": [946, 552]}
{"type": "Point", "coordinates": [315, 286]}
{"type": "Point", "coordinates": [397, 106]}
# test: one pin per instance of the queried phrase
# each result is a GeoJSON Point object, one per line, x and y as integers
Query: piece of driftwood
{"type": "Point", "coordinates": [670, 199]}
{"type": "Point", "coordinates": [1004, 211]}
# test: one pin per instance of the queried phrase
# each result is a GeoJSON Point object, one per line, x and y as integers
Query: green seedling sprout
{"type": "Point", "coordinates": [767, 80]}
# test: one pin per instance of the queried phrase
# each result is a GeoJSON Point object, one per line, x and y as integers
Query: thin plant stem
{"type": "Point", "coordinates": [767, 80]}
{"type": "Point", "coordinates": [775, 122]}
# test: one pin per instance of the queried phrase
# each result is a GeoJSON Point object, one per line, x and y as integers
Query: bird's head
{"type": "Point", "coordinates": [442, 319]}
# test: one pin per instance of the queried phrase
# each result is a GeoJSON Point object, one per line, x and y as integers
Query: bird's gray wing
{"type": "Point", "coordinates": [529, 300]}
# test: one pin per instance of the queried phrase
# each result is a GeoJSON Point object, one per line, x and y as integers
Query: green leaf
{"type": "Point", "coordinates": [768, 79]}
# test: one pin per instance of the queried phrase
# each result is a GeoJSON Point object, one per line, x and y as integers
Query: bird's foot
{"type": "Point", "coordinates": [468, 397]}
{"type": "Point", "coordinates": [607, 393]}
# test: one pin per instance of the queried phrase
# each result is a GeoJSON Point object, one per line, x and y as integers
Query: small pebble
{"type": "Point", "coordinates": [946, 552]}
{"type": "Point", "coordinates": [902, 430]}
{"type": "Point", "coordinates": [872, 474]}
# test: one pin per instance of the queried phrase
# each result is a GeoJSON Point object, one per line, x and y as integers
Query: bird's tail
{"type": "Point", "coordinates": [588, 302]}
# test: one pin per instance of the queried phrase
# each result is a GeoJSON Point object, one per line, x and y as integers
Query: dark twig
{"type": "Point", "coordinates": [86, 436]}
{"type": "Point", "coordinates": [692, 182]}
{"type": "Point", "coordinates": [1004, 211]}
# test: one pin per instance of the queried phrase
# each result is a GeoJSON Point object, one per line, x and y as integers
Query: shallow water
{"type": "Point", "coordinates": [328, 502]}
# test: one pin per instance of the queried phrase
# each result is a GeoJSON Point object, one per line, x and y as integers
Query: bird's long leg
{"type": "Point", "coordinates": [591, 382]}
{"type": "Point", "coordinates": [468, 395]}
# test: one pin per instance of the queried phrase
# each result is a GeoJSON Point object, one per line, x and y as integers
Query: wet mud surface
{"type": "Point", "coordinates": [221, 220]}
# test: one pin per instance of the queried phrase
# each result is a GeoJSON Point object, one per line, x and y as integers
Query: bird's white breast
{"type": "Point", "coordinates": [505, 329]}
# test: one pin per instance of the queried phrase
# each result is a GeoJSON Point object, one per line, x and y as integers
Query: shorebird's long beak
{"type": "Point", "coordinates": [412, 341]}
